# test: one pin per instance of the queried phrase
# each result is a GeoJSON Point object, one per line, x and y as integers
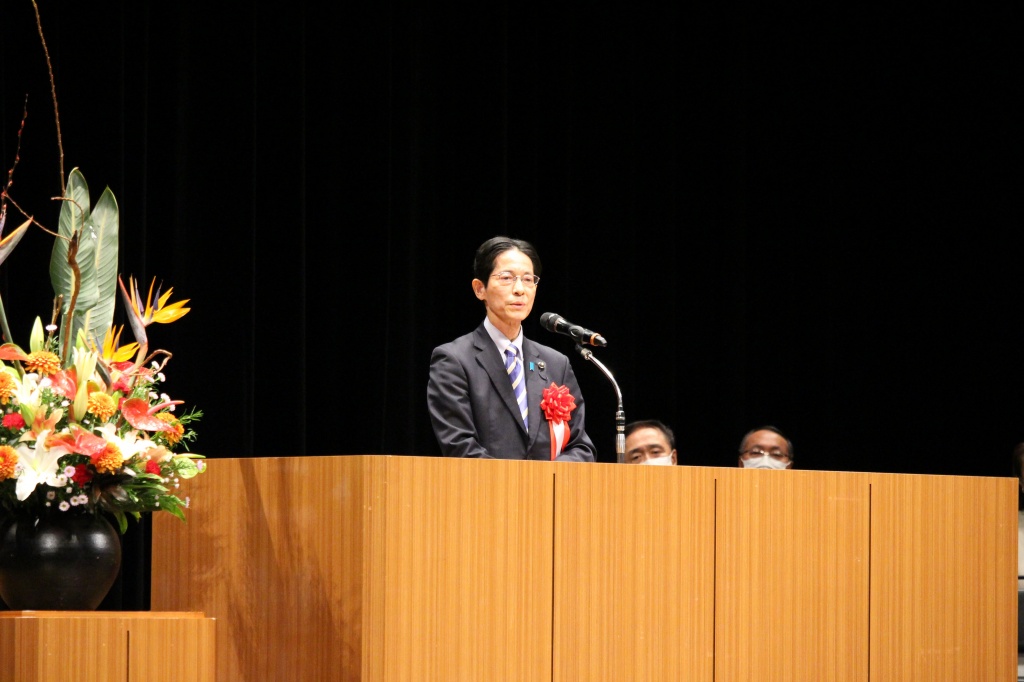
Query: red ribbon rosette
{"type": "Point", "coordinates": [557, 403]}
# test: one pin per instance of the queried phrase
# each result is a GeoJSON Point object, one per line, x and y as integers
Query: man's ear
{"type": "Point", "coordinates": [479, 289]}
{"type": "Point", "coordinates": [674, 458]}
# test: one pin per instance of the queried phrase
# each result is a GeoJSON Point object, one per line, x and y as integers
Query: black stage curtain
{"type": "Point", "coordinates": [803, 217]}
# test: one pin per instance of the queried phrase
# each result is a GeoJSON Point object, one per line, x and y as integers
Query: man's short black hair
{"type": "Point", "coordinates": [768, 427]}
{"type": "Point", "coordinates": [653, 424]}
{"type": "Point", "coordinates": [488, 252]}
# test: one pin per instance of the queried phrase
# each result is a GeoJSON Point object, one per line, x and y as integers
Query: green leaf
{"type": "Point", "coordinates": [73, 212]}
{"type": "Point", "coordinates": [96, 230]}
{"type": "Point", "coordinates": [99, 259]}
{"type": "Point", "coordinates": [185, 467]}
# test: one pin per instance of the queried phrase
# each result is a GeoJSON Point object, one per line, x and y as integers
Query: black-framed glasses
{"type": "Point", "coordinates": [776, 453]}
{"type": "Point", "coordinates": [507, 279]}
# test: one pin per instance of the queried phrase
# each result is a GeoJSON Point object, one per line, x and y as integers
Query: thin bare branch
{"type": "Point", "coordinates": [17, 158]}
{"type": "Point", "coordinates": [53, 95]}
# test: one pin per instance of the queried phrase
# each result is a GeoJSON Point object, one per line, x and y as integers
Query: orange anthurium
{"type": "Point", "coordinates": [81, 442]}
{"type": "Point", "coordinates": [9, 351]}
{"type": "Point", "coordinates": [65, 383]}
{"type": "Point", "coordinates": [140, 415]}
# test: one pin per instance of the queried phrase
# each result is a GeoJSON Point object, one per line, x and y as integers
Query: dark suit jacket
{"type": "Point", "coordinates": [474, 411]}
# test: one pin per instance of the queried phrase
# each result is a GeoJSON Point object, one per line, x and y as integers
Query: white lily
{"type": "Point", "coordinates": [130, 444]}
{"type": "Point", "coordinates": [38, 464]}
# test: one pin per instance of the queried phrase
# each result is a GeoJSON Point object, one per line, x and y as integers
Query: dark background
{"type": "Point", "coordinates": [802, 216]}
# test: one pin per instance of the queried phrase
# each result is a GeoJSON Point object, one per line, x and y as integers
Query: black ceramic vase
{"type": "Point", "coordinates": [67, 562]}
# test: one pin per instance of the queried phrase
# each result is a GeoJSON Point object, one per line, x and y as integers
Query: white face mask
{"type": "Point", "coordinates": [661, 461]}
{"type": "Point", "coordinates": [764, 462]}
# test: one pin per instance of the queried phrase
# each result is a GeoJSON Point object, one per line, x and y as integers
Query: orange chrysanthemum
{"type": "Point", "coordinates": [44, 362]}
{"type": "Point", "coordinates": [107, 461]}
{"type": "Point", "coordinates": [7, 388]}
{"type": "Point", "coordinates": [8, 462]}
{"type": "Point", "coordinates": [173, 434]}
{"type": "Point", "coordinates": [101, 405]}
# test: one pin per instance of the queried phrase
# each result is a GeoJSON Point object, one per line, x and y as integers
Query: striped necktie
{"type": "Point", "coordinates": [514, 367]}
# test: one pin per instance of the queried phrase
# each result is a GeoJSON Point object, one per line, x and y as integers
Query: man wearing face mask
{"type": "Point", "coordinates": [766, 448]}
{"type": "Point", "coordinates": [650, 442]}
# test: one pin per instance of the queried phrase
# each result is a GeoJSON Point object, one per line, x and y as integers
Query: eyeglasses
{"type": "Point", "coordinates": [507, 279]}
{"type": "Point", "coordinates": [758, 452]}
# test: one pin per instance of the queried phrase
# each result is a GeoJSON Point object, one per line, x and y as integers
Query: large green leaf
{"type": "Point", "coordinates": [97, 232]}
{"type": "Point", "coordinates": [100, 260]}
{"type": "Point", "coordinates": [73, 212]}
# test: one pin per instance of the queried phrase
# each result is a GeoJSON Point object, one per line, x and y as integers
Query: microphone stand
{"type": "Point", "coordinates": [620, 416]}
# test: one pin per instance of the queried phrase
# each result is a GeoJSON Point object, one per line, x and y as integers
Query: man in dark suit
{"type": "Point", "coordinates": [493, 393]}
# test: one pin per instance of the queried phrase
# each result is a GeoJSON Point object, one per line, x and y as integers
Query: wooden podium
{"type": "Point", "coordinates": [383, 568]}
{"type": "Point", "coordinates": [106, 646]}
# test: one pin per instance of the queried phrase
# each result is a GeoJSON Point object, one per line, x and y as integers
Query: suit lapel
{"type": "Point", "coordinates": [536, 381]}
{"type": "Point", "coordinates": [489, 359]}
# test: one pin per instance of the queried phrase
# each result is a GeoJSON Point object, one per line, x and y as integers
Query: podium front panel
{"type": "Point", "coordinates": [791, 575]}
{"type": "Point", "coordinates": [634, 572]}
{"type": "Point", "coordinates": [943, 586]}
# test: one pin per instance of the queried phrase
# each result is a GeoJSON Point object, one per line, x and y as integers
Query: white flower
{"type": "Point", "coordinates": [27, 392]}
{"type": "Point", "coordinates": [69, 471]}
{"type": "Point", "coordinates": [63, 506]}
{"type": "Point", "coordinates": [40, 464]}
{"type": "Point", "coordinates": [131, 444]}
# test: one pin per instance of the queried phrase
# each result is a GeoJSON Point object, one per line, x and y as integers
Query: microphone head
{"type": "Point", "coordinates": [550, 321]}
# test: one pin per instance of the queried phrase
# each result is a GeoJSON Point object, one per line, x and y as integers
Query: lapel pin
{"type": "Point", "coordinates": [540, 365]}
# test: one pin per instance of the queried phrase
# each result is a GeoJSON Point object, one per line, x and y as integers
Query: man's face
{"type": "Point", "coordinates": [647, 443]}
{"type": "Point", "coordinates": [762, 446]}
{"type": "Point", "coordinates": [507, 305]}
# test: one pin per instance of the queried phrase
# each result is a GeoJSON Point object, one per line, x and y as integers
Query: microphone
{"type": "Point", "coordinates": [560, 325]}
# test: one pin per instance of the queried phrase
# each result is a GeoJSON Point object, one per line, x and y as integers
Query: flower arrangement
{"type": "Point", "coordinates": [84, 426]}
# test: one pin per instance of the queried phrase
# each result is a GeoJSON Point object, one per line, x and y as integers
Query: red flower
{"type": "Point", "coordinates": [152, 468]}
{"type": "Point", "coordinates": [557, 403]}
{"type": "Point", "coordinates": [14, 421]}
{"type": "Point", "coordinates": [82, 475]}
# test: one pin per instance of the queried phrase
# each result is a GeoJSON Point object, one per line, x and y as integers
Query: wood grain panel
{"type": "Point", "coordinates": [106, 646]}
{"type": "Point", "coordinates": [791, 575]}
{"type": "Point", "coordinates": [467, 573]}
{"type": "Point", "coordinates": [943, 596]}
{"type": "Point", "coordinates": [634, 578]}
{"type": "Point", "coordinates": [366, 567]}
{"type": "Point", "coordinates": [273, 548]}
{"type": "Point", "coordinates": [390, 568]}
